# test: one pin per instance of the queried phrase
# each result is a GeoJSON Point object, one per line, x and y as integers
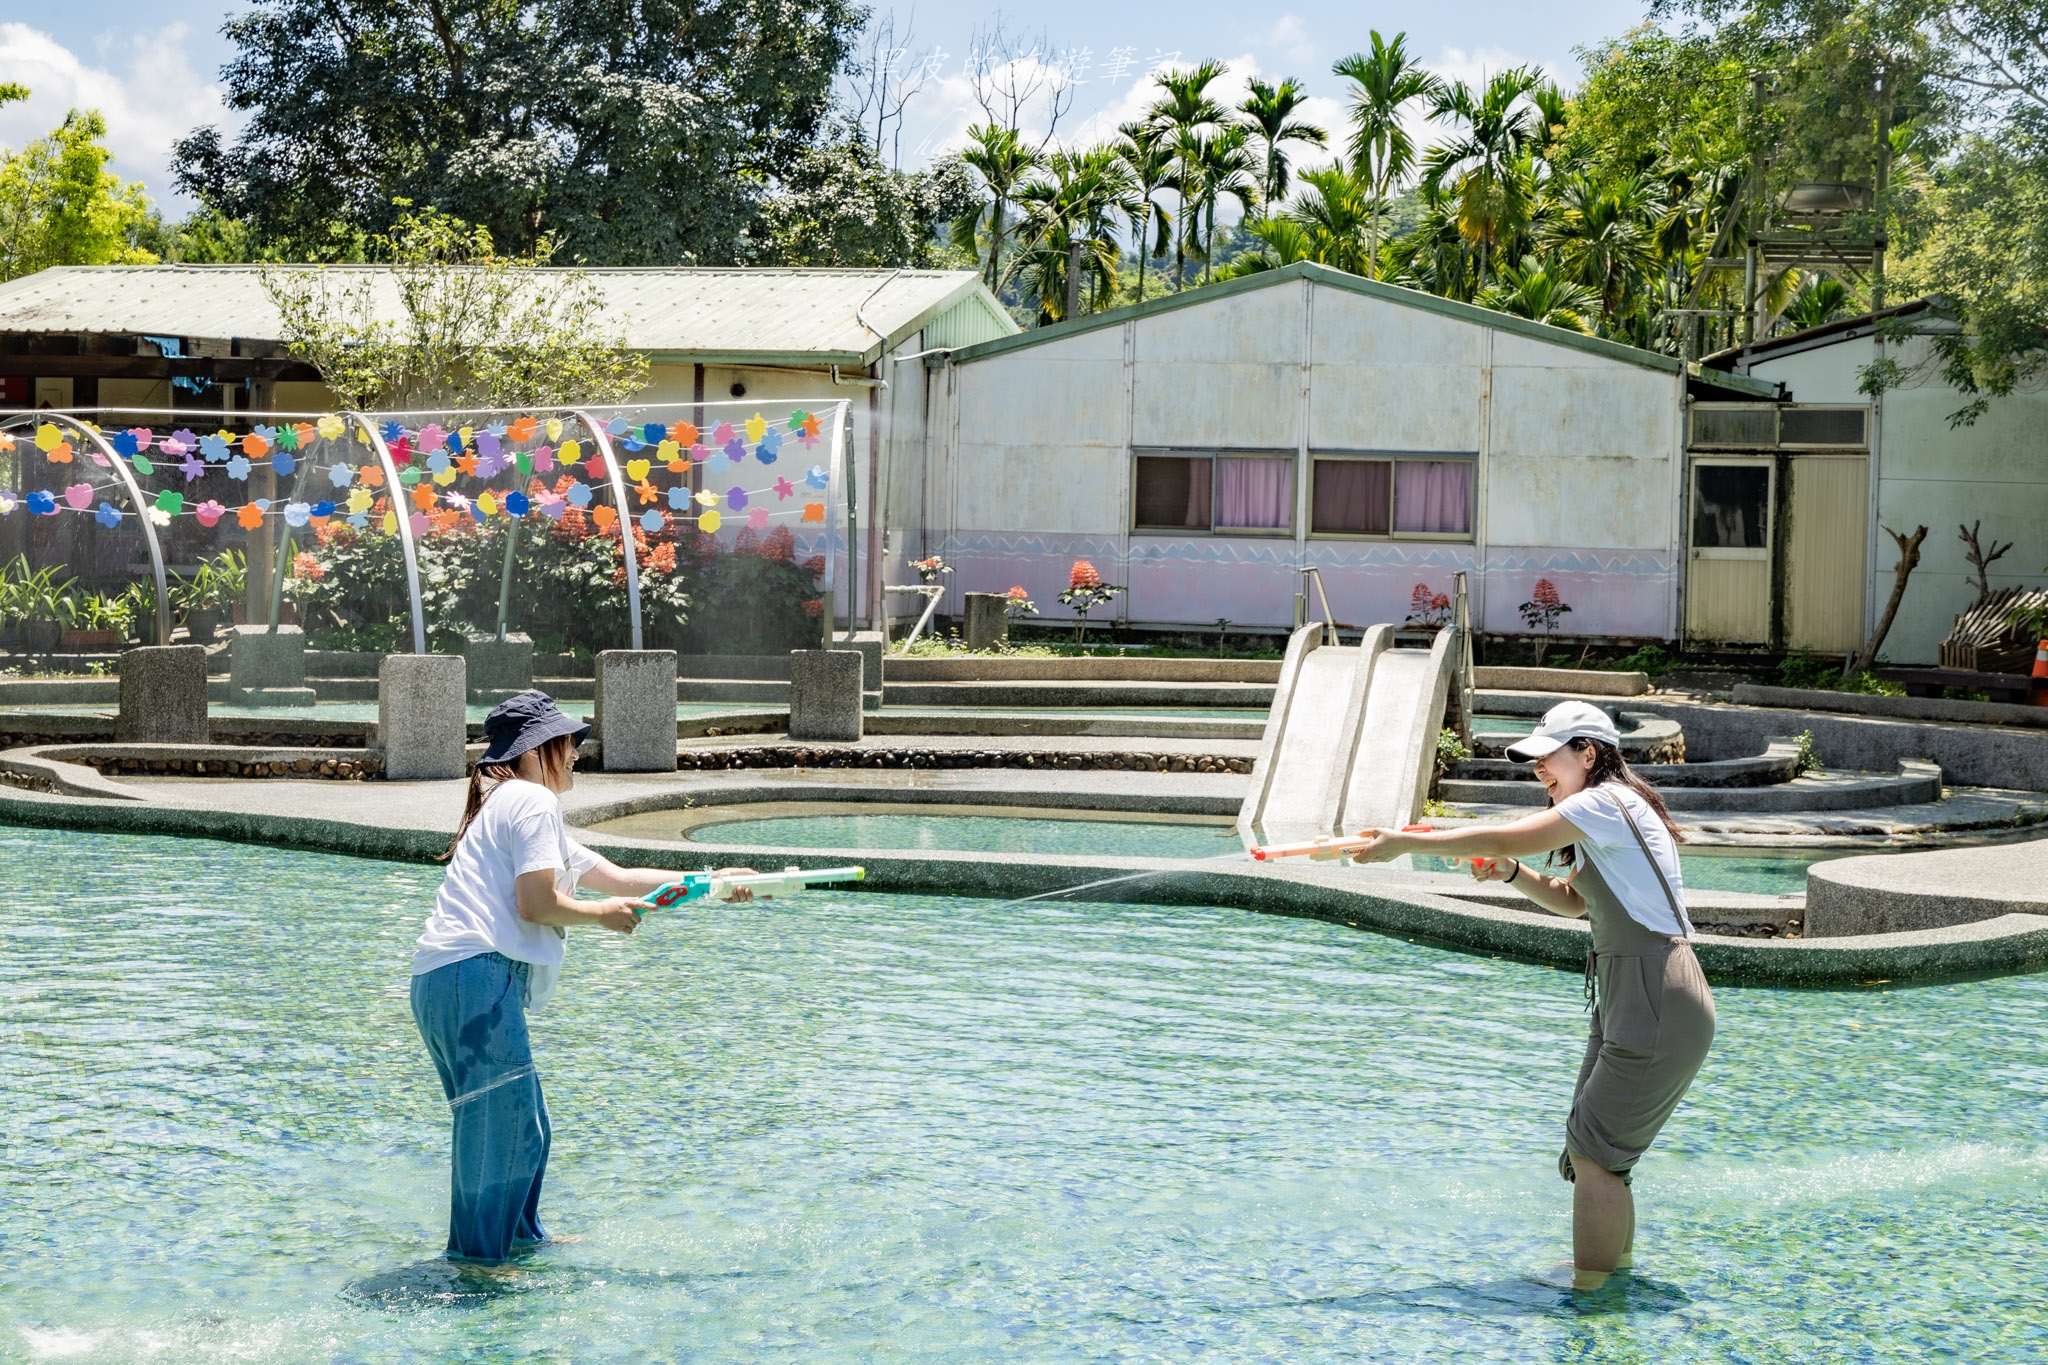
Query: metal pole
{"type": "Point", "coordinates": [156, 553]}
{"type": "Point", "coordinates": [284, 555]}
{"type": "Point", "coordinates": [1463, 623]}
{"type": "Point", "coordinates": [617, 479]}
{"type": "Point", "coordinates": [505, 575]}
{"type": "Point", "coordinates": [404, 521]}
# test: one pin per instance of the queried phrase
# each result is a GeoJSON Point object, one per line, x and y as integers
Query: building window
{"type": "Point", "coordinates": [1173, 492]}
{"type": "Point", "coordinates": [1219, 494]}
{"type": "Point", "coordinates": [1354, 496]}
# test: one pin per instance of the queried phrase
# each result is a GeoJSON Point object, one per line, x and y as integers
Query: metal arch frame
{"type": "Point", "coordinates": [156, 552]}
{"type": "Point", "coordinates": [398, 513]}
{"type": "Point", "coordinates": [617, 478]}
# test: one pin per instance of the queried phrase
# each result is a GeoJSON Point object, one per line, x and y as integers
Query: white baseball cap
{"type": "Point", "coordinates": [1566, 721]}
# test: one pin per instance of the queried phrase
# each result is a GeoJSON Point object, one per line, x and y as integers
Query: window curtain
{"type": "Point", "coordinates": [1254, 493]}
{"type": "Point", "coordinates": [1433, 497]}
{"type": "Point", "coordinates": [1351, 497]}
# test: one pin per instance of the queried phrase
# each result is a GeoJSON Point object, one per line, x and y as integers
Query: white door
{"type": "Point", "coordinates": [1728, 560]}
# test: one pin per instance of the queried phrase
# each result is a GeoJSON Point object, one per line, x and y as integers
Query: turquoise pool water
{"type": "Point", "coordinates": [980, 834]}
{"type": "Point", "coordinates": [1764, 873]}
{"type": "Point", "coordinates": [863, 1127]}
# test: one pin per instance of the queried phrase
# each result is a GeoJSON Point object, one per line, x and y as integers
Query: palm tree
{"type": "Point", "coordinates": [1604, 236]}
{"type": "Point", "coordinates": [1282, 242]}
{"type": "Point", "coordinates": [1338, 214]}
{"type": "Point", "coordinates": [1269, 111]}
{"type": "Point", "coordinates": [1384, 83]}
{"type": "Point", "coordinates": [1490, 166]}
{"type": "Point", "coordinates": [1142, 148]}
{"type": "Point", "coordinates": [1225, 166]}
{"type": "Point", "coordinates": [1820, 300]}
{"type": "Point", "coordinates": [1530, 291]}
{"type": "Point", "coordinates": [1003, 161]}
{"type": "Point", "coordinates": [1072, 211]}
{"type": "Point", "coordinates": [1183, 112]}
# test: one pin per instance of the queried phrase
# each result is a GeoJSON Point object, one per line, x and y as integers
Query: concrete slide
{"type": "Point", "coordinates": [1351, 738]}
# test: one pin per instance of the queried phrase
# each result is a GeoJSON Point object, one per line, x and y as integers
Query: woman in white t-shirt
{"type": "Point", "coordinates": [492, 949]}
{"type": "Point", "coordinates": [1653, 1016]}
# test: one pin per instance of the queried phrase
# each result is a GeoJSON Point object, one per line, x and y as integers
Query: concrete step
{"type": "Point", "coordinates": [1129, 669]}
{"type": "Point", "coordinates": [1778, 763]}
{"type": "Point", "coordinates": [1828, 789]}
{"type": "Point", "coordinates": [1003, 695]}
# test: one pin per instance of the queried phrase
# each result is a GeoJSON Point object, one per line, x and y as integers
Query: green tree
{"type": "Point", "coordinates": [60, 205]}
{"type": "Point", "coordinates": [1488, 167]}
{"type": "Point", "coordinates": [1604, 236]}
{"type": "Point", "coordinates": [1983, 249]}
{"type": "Point", "coordinates": [840, 206]}
{"type": "Point", "coordinates": [1073, 211]}
{"type": "Point", "coordinates": [632, 134]}
{"type": "Point", "coordinates": [1224, 167]}
{"type": "Point", "coordinates": [1269, 115]}
{"type": "Point", "coordinates": [1141, 145]}
{"type": "Point", "coordinates": [1002, 160]}
{"type": "Point", "coordinates": [1185, 114]}
{"type": "Point", "coordinates": [1533, 291]}
{"type": "Point", "coordinates": [471, 328]}
{"type": "Point", "coordinates": [1384, 83]}
{"type": "Point", "coordinates": [1819, 300]}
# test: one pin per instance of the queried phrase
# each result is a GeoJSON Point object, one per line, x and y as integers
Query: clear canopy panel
{"type": "Point", "coordinates": [458, 519]}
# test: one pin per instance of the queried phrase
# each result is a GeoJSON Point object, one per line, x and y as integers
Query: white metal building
{"type": "Point", "coordinates": [1205, 448]}
{"type": "Point", "coordinates": [1836, 466]}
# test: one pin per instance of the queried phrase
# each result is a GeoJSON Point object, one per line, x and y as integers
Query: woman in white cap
{"type": "Point", "coordinates": [1652, 1015]}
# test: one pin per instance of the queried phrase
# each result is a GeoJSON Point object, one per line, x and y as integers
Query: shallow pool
{"type": "Point", "coordinates": [863, 1127]}
{"type": "Point", "coordinates": [1763, 872]}
{"type": "Point", "coordinates": [1107, 837]}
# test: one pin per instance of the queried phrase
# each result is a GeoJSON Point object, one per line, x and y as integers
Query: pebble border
{"type": "Point", "coordinates": [790, 756]}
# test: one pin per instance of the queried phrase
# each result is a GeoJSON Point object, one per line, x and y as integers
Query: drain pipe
{"type": "Point", "coordinates": [858, 381]}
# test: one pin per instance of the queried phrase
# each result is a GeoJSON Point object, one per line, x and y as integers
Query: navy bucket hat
{"type": "Point", "coordinates": [524, 722]}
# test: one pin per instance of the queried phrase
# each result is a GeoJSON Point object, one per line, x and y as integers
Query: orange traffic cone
{"type": "Point", "coordinates": [2039, 696]}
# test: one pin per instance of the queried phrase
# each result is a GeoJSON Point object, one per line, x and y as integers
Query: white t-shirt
{"type": "Point", "coordinates": [519, 830]}
{"type": "Point", "coordinates": [1609, 843]}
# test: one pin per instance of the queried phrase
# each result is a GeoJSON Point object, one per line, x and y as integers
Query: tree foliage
{"type": "Point", "coordinates": [467, 327]}
{"type": "Point", "coordinates": [840, 206]}
{"type": "Point", "coordinates": [638, 133]}
{"type": "Point", "coordinates": [60, 205]}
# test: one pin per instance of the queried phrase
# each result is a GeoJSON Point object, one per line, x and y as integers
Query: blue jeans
{"type": "Point", "coordinates": [472, 1015]}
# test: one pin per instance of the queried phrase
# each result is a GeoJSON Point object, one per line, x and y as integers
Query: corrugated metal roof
{"type": "Point", "coordinates": [763, 315]}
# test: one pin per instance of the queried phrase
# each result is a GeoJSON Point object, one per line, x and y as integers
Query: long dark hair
{"type": "Point", "coordinates": [1610, 766]}
{"type": "Point", "coordinates": [485, 778]}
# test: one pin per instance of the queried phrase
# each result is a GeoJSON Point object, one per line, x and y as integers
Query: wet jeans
{"type": "Point", "coordinates": [472, 1015]}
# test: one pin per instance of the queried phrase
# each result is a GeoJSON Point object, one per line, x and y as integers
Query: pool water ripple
{"type": "Point", "coordinates": [849, 1127]}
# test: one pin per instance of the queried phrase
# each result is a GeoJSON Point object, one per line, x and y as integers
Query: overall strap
{"type": "Point", "coordinates": [1677, 904]}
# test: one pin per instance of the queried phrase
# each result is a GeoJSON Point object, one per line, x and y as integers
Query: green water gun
{"type": "Point", "coordinates": [717, 885]}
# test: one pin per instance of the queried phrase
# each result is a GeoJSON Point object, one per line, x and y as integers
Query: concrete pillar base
{"type": "Point", "coordinates": [163, 696]}
{"type": "Point", "coordinates": [988, 620]}
{"type": "Point", "coordinates": [259, 659]}
{"type": "Point", "coordinates": [871, 647]}
{"type": "Point", "coordinates": [421, 721]}
{"type": "Point", "coordinates": [635, 719]}
{"type": "Point", "coordinates": [495, 665]}
{"type": "Point", "coordinates": [825, 694]}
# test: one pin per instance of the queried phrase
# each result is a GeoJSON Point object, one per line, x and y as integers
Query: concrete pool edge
{"type": "Point", "coordinates": [2008, 944]}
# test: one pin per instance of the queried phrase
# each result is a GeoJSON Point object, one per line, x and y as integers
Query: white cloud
{"type": "Point", "coordinates": [143, 83]}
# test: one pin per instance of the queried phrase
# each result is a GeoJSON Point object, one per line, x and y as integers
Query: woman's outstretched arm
{"type": "Point", "coordinates": [612, 880]}
{"type": "Point", "coordinates": [1504, 845]}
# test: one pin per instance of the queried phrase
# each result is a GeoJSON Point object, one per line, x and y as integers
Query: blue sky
{"type": "Point", "coordinates": [152, 66]}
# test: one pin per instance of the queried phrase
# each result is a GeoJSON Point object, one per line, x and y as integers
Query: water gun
{"type": "Point", "coordinates": [1324, 850]}
{"type": "Point", "coordinates": [696, 886]}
